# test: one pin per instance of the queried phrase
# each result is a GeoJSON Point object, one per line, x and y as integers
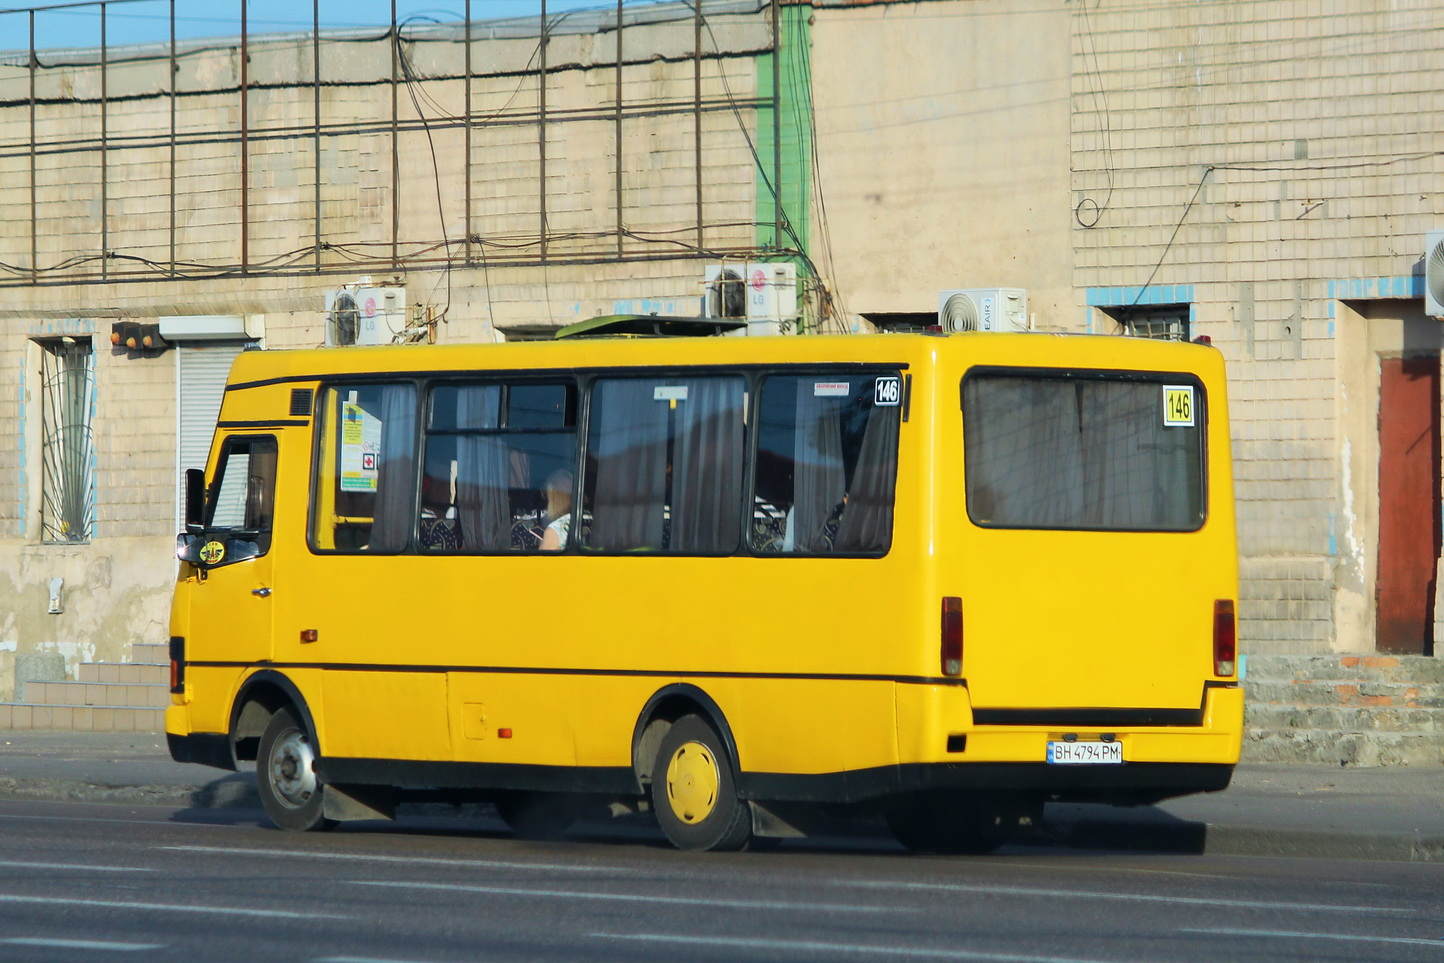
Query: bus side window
{"type": "Point", "coordinates": [490, 451]}
{"type": "Point", "coordinates": [664, 465]}
{"type": "Point", "coordinates": [242, 498]}
{"type": "Point", "coordinates": [365, 479]}
{"type": "Point", "coordinates": [826, 467]}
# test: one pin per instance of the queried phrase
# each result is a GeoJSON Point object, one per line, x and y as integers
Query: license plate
{"type": "Point", "coordinates": [1085, 753]}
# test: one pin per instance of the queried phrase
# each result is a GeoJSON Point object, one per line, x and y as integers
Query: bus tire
{"type": "Point", "coordinates": [940, 822]}
{"type": "Point", "coordinates": [693, 792]}
{"type": "Point", "coordinates": [291, 792]}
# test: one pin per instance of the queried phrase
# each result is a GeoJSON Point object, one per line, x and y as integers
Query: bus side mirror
{"type": "Point", "coordinates": [195, 500]}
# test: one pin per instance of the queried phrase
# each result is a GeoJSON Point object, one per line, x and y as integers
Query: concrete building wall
{"type": "Point", "coordinates": [1275, 166]}
{"type": "Point", "coordinates": [942, 145]}
{"type": "Point", "coordinates": [1269, 166]}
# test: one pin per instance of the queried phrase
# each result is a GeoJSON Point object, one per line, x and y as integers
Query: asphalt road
{"type": "Point", "coordinates": [99, 882]}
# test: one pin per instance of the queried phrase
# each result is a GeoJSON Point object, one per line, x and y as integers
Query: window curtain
{"type": "Point", "coordinates": [395, 477]}
{"type": "Point", "coordinates": [866, 523]}
{"type": "Point", "coordinates": [1137, 472]}
{"type": "Point", "coordinates": [707, 467]}
{"type": "Point", "coordinates": [482, 495]}
{"type": "Point", "coordinates": [817, 475]}
{"type": "Point", "coordinates": [628, 448]}
{"type": "Point", "coordinates": [1025, 456]}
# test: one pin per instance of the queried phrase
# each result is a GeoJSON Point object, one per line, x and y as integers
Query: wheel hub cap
{"type": "Point", "coordinates": [292, 768]}
{"type": "Point", "coordinates": [692, 782]}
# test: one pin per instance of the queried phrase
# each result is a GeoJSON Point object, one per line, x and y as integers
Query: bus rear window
{"type": "Point", "coordinates": [1094, 452]}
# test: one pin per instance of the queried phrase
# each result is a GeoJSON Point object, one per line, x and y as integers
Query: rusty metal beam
{"type": "Point", "coordinates": [466, 164]}
{"type": "Point", "coordinates": [34, 193]}
{"type": "Point", "coordinates": [541, 130]}
{"type": "Point", "coordinates": [316, 126]}
{"type": "Point", "coordinates": [104, 154]}
{"type": "Point", "coordinates": [245, 142]}
{"type": "Point", "coordinates": [697, 111]}
{"type": "Point", "coordinates": [620, 205]}
{"type": "Point", "coordinates": [174, 82]}
{"type": "Point", "coordinates": [395, 144]}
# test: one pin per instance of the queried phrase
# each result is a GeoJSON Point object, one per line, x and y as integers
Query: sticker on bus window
{"type": "Point", "coordinates": [360, 448]}
{"type": "Point", "coordinates": [669, 393]}
{"type": "Point", "coordinates": [887, 391]}
{"type": "Point", "coordinates": [1178, 406]}
{"type": "Point", "coordinates": [831, 389]}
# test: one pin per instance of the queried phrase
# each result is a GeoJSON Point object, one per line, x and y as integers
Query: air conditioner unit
{"type": "Point", "coordinates": [363, 313]}
{"type": "Point", "coordinates": [983, 309]}
{"type": "Point", "coordinates": [726, 295]}
{"type": "Point", "coordinates": [761, 291]}
{"type": "Point", "coordinates": [1434, 274]}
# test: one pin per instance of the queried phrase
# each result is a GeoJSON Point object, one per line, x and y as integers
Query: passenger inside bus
{"type": "Point", "coordinates": [559, 511]}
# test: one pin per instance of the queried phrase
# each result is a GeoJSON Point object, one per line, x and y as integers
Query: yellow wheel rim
{"type": "Point", "coordinates": [692, 782]}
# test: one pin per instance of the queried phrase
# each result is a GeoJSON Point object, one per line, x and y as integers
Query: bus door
{"type": "Point", "coordinates": [232, 619]}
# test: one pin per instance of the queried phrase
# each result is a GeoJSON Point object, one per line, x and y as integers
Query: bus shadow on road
{"type": "Point", "coordinates": [1140, 828]}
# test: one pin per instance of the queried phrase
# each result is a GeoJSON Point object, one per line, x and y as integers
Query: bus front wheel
{"type": "Point", "coordinates": [291, 792]}
{"type": "Point", "coordinates": [693, 793]}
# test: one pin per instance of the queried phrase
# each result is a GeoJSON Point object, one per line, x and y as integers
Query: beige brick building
{"type": "Point", "coordinates": [1261, 173]}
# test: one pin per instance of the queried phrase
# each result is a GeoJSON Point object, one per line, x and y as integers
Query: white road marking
{"type": "Point", "coordinates": [983, 890]}
{"type": "Point", "coordinates": [814, 946]}
{"type": "Point", "coordinates": [167, 907]}
{"type": "Point", "coordinates": [635, 898]}
{"type": "Point", "coordinates": [123, 822]}
{"type": "Point", "coordinates": [1290, 935]}
{"type": "Point", "coordinates": [89, 869]}
{"type": "Point", "coordinates": [408, 860]}
{"type": "Point", "coordinates": [84, 945]}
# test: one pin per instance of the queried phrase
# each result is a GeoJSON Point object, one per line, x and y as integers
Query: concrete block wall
{"type": "Point", "coordinates": [1258, 151]}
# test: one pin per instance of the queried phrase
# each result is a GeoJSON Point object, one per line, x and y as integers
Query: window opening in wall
{"type": "Point", "coordinates": [1161, 322]}
{"type": "Point", "coordinates": [67, 510]}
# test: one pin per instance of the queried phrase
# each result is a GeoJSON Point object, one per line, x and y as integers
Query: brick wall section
{"type": "Point", "coordinates": [1318, 120]}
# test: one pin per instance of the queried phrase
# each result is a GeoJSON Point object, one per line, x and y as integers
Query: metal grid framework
{"type": "Point", "coordinates": [710, 230]}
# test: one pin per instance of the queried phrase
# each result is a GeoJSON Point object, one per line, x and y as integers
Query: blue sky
{"type": "Point", "coordinates": [147, 21]}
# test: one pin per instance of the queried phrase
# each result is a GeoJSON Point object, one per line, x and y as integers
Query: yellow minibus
{"type": "Point", "coordinates": [737, 582]}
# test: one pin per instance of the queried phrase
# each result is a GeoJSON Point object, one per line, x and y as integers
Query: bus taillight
{"type": "Point", "coordinates": [952, 648]}
{"type": "Point", "coordinates": [177, 663]}
{"type": "Point", "coordinates": [1225, 638]}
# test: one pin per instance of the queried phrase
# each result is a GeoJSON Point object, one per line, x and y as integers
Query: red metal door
{"type": "Point", "coordinates": [1409, 515]}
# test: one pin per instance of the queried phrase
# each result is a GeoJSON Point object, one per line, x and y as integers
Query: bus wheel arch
{"type": "Point", "coordinates": [261, 696]}
{"type": "Point", "coordinates": [663, 710]}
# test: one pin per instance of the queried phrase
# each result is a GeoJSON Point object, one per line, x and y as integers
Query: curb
{"type": "Point", "coordinates": [232, 792]}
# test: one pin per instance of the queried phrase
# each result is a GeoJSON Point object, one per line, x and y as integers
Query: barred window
{"type": "Point", "coordinates": [67, 511]}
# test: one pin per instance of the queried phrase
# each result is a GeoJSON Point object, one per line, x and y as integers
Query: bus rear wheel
{"type": "Point", "coordinates": [943, 822]}
{"type": "Point", "coordinates": [291, 792]}
{"type": "Point", "coordinates": [693, 793]}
